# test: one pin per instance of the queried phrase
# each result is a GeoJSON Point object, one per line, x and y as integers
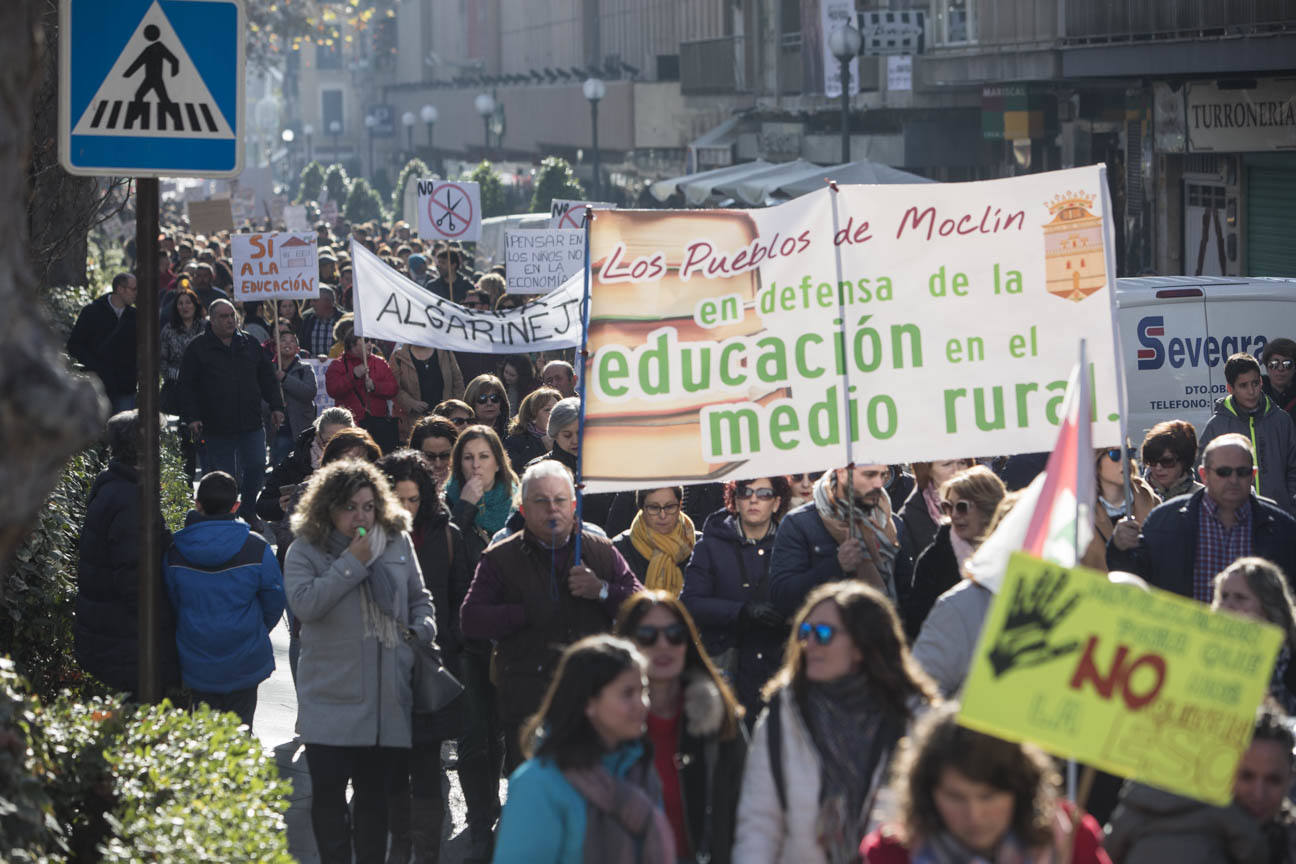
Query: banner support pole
{"type": "Point", "coordinates": [582, 381]}
{"type": "Point", "coordinates": [845, 377]}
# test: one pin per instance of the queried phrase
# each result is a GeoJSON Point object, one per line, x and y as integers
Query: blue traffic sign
{"type": "Point", "coordinates": [151, 88]}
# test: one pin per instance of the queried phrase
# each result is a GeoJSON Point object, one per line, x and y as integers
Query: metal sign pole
{"type": "Point", "coordinates": [150, 486]}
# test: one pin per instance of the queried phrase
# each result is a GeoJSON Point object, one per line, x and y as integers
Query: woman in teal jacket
{"type": "Point", "coordinates": [589, 791]}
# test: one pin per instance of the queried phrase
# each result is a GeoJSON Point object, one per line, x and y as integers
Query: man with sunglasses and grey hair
{"type": "Point", "coordinates": [1186, 541]}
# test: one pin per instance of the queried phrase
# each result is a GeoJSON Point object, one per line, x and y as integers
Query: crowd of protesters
{"type": "Point", "coordinates": [757, 670]}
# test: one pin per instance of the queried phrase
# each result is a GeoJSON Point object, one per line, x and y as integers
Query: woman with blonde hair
{"type": "Point", "coordinates": [529, 432]}
{"type": "Point", "coordinates": [352, 578]}
{"type": "Point", "coordinates": [845, 696]}
{"type": "Point", "coordinates": [967, 504]}
{"type": "Point", "coordinates": [1256, 588]}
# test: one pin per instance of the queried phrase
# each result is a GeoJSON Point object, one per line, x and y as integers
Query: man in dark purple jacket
{"type": "Point", "coordinates": [533, 600]}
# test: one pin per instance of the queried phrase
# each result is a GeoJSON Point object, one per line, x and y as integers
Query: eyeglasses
{"type": "Point", "coordinates": [492, 398]}
{"type": "Point", "coordinates": [438, 457]}
{"type": "Point", "coordinates": [745, 492]}
{"type": "Point", "coordinates": [812, 477]}
{"type": "Point", "coordinates": [822, 633]}
{"type": "Point", "coordinates": [661, 509]}
{"type": "Point", "coordinates": [1115, 453]}
{"type": "Point", "coordinates": [1227, 471]}
{"type": "Point", "coordinates": [1278, 363]}
{"type": "Point", "coordinates": [1166, 462]}
{"type": "Point", "coordinates": [962, 508]}
{"type": "Point", "coordinates": [647, 635]}
{"type": "Point", "coordinates": [459, 421]}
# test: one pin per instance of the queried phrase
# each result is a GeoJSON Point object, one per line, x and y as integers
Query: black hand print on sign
{"type": "Point", "coordinates": [1037, 607]}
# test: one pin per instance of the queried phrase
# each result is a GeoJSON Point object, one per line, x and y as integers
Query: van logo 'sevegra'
{"type": "Point", "coordinates": [1188, 351]}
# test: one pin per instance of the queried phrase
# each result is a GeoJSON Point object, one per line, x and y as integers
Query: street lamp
{"type": "Point", "coordinates": [485, 105]}
{"type": "Point", "coordinates": [288, 136]}
{"type": "Point", "coordinates": [370, 123]}
{"type": "Point", "coordinates": [308, 130]}
{"type": "Point", "coordinates": [844, 42]}
{"type": "Point", "coordinates": [336, 128]}
{"type": "Point", "coordinates": [429, 115]}
{"type": "Point", "coordinates": [594, 90]}
{"type": "Point", "coordinates": [407, 120]}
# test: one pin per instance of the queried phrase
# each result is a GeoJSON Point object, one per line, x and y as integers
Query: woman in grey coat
{"type": "Point", "coordinates": [353, 579]}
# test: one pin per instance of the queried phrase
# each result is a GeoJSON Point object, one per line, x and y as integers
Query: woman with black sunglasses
{"type": "Point", "coordinates": [486, 396]}
{"type": "Point", "coordinates": [699, 745]}
{"type": "Point", "coordinates": [967, 503]}
{"type": "Point", "coordinates": [726, 586]}
{"type": "Point", "coordinates": [1111, 509]}
{"type": "Point", "coordinates": [847, 693]}
{"type": "Point", "coordinates": [1168, 453]}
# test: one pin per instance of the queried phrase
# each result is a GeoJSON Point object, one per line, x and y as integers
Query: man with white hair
{"type": "Point", "coordinates": [1188, 540]}
{"type": "Point", "coordinates": [533, 599]}
{"type": "Point", "coordinates": [560, 375]}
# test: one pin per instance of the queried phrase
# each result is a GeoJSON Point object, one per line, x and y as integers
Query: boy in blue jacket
{"type": "Point", "coordinates": [227, 592]}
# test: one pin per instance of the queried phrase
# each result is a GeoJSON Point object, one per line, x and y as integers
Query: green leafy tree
{"type": "Point", "coordinates": [312, 181]}
{"type": "Point", "coordinates": [494, 202]}
{"type": "Point", "coordinates": [337, 183]}
{"type": "Point", "coordinates": [364, 203]}
{"type": "Point", "coordinates": [416, 169]}
{"type": "Point", "coordinates": [555, 180]}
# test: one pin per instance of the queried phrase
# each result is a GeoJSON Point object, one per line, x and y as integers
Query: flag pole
{"type": "Point", "coordinates": [581, 384]}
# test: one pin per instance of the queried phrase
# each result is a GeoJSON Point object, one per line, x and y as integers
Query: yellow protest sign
{"type": "Point", "coordinates": [1141, 683]}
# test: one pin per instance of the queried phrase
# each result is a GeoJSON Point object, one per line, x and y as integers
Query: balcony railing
{"type": "Point", "coordinates": [1132, 20]}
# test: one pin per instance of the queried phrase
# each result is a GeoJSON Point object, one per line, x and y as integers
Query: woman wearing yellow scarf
{"type": "Point", "coordinates": [660, 540]}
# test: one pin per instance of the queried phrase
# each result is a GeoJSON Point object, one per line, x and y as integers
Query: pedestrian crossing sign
{"type": "Point", "coordinates": [151, 88]}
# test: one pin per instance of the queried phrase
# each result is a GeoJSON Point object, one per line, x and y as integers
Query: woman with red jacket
{"type": "Point", "coordinates": [967, 797]}
{"type": "Point", "coordinates": [365, 387]}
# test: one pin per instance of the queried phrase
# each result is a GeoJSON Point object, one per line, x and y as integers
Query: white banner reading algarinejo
{"type": "Point", "coordinates": [389, 306]}
{"type": "Point", "coordinates": [735, 343]}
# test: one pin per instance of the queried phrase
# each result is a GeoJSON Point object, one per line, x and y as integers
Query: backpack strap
{"type": "Point", "coordinates": [774, 743]}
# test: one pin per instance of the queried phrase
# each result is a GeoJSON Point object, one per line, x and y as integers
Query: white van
{"type": "Point", "coordinates": [1176, 332]}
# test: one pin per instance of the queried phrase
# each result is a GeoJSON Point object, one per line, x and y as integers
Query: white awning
{"type": "Point", "coordinates": [858, 173]}
{"type": "Point", "coordinates": [757, 190]}
{"type": "Point", "coordinates": [698, 190]}
{"type": "Point", "coordinates": [663, 189]}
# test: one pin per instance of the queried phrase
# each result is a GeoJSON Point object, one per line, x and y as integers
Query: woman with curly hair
{"type": "Point", "coordinates": [726, 586]}
{"type": "Point", "coordinates": [966, 797]}
{"type": "Point", "coordinates": [352, 578]}
{"type": "Point", "coordinates": [846, 695]}
{"type": "Point", "coordinates": [694, 724]}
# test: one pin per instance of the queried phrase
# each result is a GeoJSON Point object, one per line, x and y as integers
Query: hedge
{"type": "Point", "coordinates": [97, 780]}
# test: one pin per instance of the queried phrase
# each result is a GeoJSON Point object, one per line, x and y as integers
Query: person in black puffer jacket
{"type": "Point", "coordinates": [106, 623]}
{"type": "Point", "coordinates": [726, 587]}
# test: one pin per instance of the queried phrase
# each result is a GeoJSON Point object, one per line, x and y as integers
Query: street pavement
{"type": "Point", "coordinates": [276, 717]}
